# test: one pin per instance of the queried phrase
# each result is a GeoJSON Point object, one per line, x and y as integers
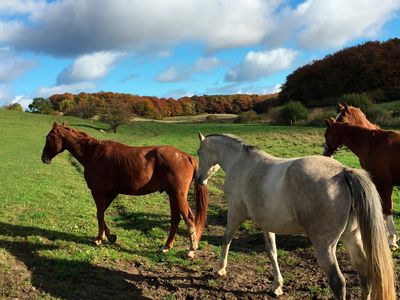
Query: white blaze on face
{"type": "Point", "coordinates": [338, 116]}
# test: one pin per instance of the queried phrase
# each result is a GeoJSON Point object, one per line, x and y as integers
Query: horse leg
{"type": "Point", "coordinates": [111, 237]}
{"type": "Point", "coordinates": [353, 243]}
{"type": "Point", "coordinates": [326, 257]}
{"type": "Point", "coordinates": [175, 219]}
{"type": "Point", "coordinates": [270, 245]}
{"type": "Point", "coordinates": [100, 206]}
{"type": "Point", "coordinates": [188, 217]}
{"type": "Point", "coordinates": [385, 189]}
{"type": "Point", "coordinates": [232, 226]}
{"type": "Point", "coordinates": [393, 237]}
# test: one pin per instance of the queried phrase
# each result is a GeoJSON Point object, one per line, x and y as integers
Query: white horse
{"type": "Point", "coordinates": [315, 195]}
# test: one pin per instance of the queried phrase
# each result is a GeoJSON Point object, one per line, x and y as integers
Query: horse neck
{"type": "Point", "coordinates": [227, 154]}
{"type": "Point", "coordinates": [360, 120]}
{"type": "Point", "coordinates": [79, 145]}
{"type": "Point", "coordinates": [356, 138]}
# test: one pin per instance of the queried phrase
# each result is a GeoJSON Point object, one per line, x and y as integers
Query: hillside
{"type": "Point", "coordinates": [373, 68]}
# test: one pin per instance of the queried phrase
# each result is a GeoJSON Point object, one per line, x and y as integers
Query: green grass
{"type": "Point", "coordinates": [48, 217]}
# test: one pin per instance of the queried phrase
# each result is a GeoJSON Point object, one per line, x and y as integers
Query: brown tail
{"type": "Point", "coordinates": [366, 202]}
{"type": "Point", "coordinates": [201, 208]}
{"type": "Point", "coordinates": [201, 194]}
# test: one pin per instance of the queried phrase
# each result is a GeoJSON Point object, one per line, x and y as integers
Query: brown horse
{"type": "Point", "coordinates": [378, 151]}
{"type": "Point", "coordinates": [112, 168]}
{"type": "Point", "coordinates": [353, 115]}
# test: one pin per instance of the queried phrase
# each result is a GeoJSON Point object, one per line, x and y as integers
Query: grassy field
{"type": "Point", "coordinates": [48, 219]}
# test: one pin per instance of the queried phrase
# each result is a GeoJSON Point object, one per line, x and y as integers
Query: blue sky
{"type": "Point", "coordinates": [175, 48]}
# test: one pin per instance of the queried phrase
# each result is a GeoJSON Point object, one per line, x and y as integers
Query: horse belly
{"type": "Point", "coordinates": [276, 221]}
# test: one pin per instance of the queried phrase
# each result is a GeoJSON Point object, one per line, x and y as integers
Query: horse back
{"type": "Point", "coordinates": [137, 170]}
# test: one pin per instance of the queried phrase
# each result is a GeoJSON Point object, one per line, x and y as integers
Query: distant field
{"type": "Point", "coordinates": [48, 219]}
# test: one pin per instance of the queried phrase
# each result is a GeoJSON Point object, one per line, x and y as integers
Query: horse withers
{"type": "Point", "coordinates": [315, 195]}
{"type": "Point", "coordinates": [112, 168]}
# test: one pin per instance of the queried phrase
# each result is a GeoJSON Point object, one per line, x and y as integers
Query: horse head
{"type": "Point", "coordinates": [207, 161]}
{"type": "Point", "coordinates": [54, 143]}
{"type": "Point", "coordinates": [353, 115]}
{"type": "Point", "coordinates": [332, 139]}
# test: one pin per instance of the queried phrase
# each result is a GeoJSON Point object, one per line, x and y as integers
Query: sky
{"type": "Point", "coordinates": [175, 48]}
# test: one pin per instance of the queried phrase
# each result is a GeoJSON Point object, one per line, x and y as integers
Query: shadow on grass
{"type": "Point", "coordinates": [72, 279]}
{"type": "Point", "coordinates": [87, 126]}
{"type": "Point", "coordinates": [64, 278]}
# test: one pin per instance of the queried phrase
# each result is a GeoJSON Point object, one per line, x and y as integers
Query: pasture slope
{"type": "Point", "coordinates": [48, 219]}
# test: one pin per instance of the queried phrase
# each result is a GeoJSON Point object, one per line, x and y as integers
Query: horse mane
{"type": "Point", "coordinates": [237, 140]}
{"type": "Point", "coordinates": [82, 135]}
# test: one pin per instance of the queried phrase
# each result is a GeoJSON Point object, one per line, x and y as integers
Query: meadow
{"type": "Point", "coordinates": [48, 222]}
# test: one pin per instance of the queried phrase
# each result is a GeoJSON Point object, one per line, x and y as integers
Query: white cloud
{"type": "Point", "coordinates": [69, 27]}
{"type": "Point", "coordinates": [66, 88]}
{"type": "Point", "coordinates": [206, 64]}
{"type": "Point", "coordinates": [12, 65]}
{"type": "Point", "coordinates": [89, 67]}
{"type": "Point", "coordinates": [260, 64]}
{"type": "Point", "coordinates": [23, 100]}
{"type": "Point", "coordinates": [238, 88]}
{"type": "Point", "coordinates": [176, 73]}
{"type": "Point", "coordinates": [12, 7]}
{"type": "Point", "coordinates": [327, 24]}
{"type": "Point", "coordinates": [173, 74]}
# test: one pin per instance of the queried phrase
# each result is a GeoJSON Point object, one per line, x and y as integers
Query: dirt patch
{"type": "Point", "coordinates": [25, 274]}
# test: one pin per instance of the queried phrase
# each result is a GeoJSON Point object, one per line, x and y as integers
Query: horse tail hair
{"type": "Point", "coordinates": [367, 205]}
{"type": "Point", "coordinates": [201, 194]}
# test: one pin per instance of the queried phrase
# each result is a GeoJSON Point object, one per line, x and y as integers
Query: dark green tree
{"type": "Point", "coordinates": [293, 111]}
{"type": "Point", "coordinates": [40, 106]}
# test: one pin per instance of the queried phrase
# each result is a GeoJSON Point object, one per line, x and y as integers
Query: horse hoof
{"type": "Point", "coordinates": [275, 292]}
{"type": "Point", "coordinates": [164, 249]}
{"type": "Point", "coordinates": [190, 254]}
{"type": "Point", "coordinates": [393, 247]}
{"type": "Point", "coordinates": [221, 273]}
{"type": "Point", "coordinates": [97, 242]}
{"type": "Point", "coordinates": [112, 238]}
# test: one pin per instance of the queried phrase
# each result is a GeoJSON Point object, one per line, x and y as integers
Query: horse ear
{"type": "Point", "coordinates": [201, 137]}
{"type": "Point", "coordinates": [329, 122]}
{"type": "Point", "coordinates": [340, 105]}
{"type": "Point", "coordinates": [54, 125]}
{"type": "Point", "coordinates": [346, 107]}
{"type": "Point", "coordinates": [64, 123]}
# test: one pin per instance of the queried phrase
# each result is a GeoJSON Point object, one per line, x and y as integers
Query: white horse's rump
{"type": "Point", "coordinates": [316, 195]}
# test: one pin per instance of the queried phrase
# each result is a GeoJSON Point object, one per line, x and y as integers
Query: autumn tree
{"type": "Point", "coordinates": [115, 113]}
{"type": "Point", "coordinates": [14, 107]}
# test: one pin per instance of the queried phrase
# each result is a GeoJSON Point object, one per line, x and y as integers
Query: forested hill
{"type": "Point", "coordinates": [372, 68]}
{"type": "Point", "coordinates": [87, 104]}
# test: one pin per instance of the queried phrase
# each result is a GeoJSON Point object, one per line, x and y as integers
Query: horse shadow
{"type": "Point", "coordinates": [145, 222]}
{"type": "Point", "coordinates": [245, 241]}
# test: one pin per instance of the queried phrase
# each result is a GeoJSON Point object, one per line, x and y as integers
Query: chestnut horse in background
{"type": "Point", "coordinates": [378, 151]}
{"type": "Point", "coordinates": [353, 115]}
{"type": "Point", "coordinates": [112, 168]}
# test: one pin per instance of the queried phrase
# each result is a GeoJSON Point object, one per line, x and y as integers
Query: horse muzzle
{"type": "Point", "coordinates": [46, 160]}
{"type": "Point", "coordinates": [327, 151]}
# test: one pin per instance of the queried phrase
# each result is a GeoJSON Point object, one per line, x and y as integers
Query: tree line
{"type": "Point", "coordinates": [87, 105]}
{"type": "Point", "coordinates": [372, 68]}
